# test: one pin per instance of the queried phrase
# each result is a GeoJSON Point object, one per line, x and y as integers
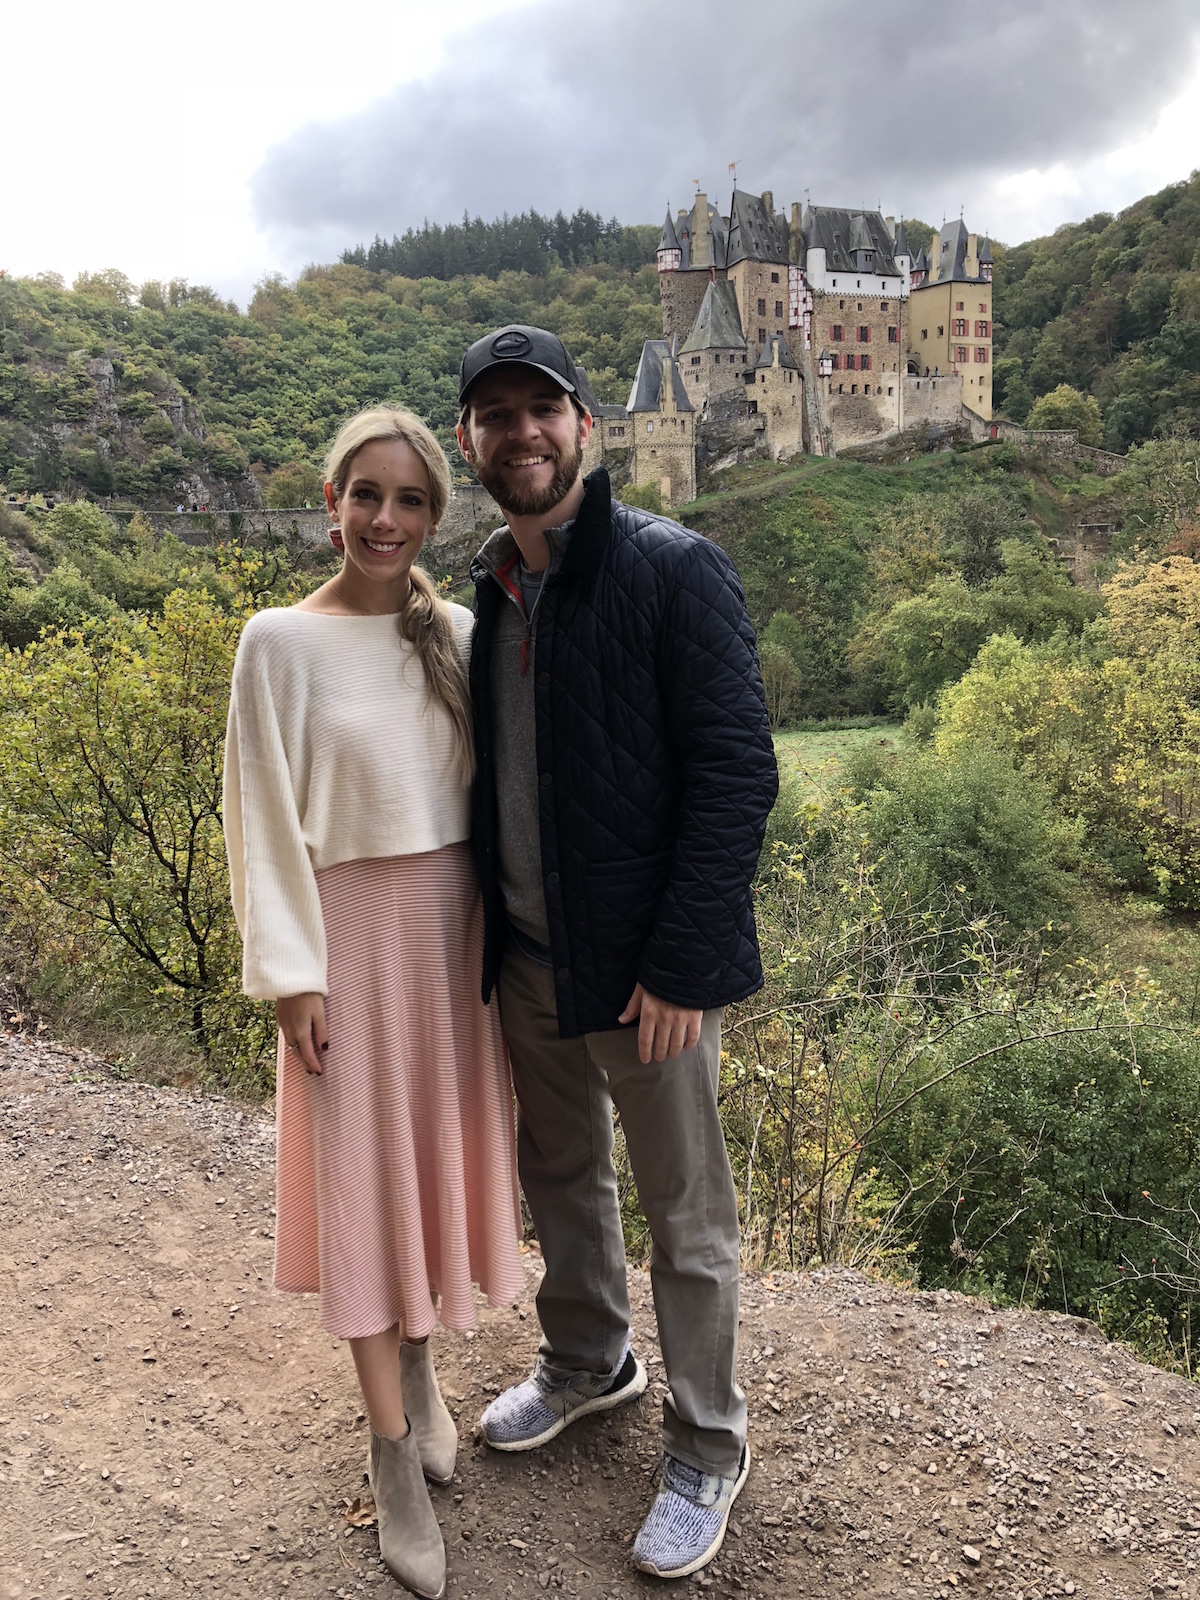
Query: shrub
{"type": "Point", "coordinates": [972, 827]}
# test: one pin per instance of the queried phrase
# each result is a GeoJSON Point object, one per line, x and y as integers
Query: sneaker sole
{"type": "Point", "coordinates": [702, 1560]}
{"type": "Point", "coordinates": [603, 1402]}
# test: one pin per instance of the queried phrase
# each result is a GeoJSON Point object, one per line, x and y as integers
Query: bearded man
{"type": "Point", "coordinates": [624, 775]}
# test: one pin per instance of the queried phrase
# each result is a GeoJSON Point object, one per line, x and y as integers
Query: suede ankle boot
{"type": "Point", "coordinates": [410, 1540]}
{"type": "Point", "coordinates": [437, 1437]}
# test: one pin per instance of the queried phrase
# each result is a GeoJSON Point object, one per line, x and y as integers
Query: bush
{"type": "Point", "coordinates": [972, 828]}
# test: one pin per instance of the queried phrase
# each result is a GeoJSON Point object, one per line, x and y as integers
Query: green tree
{"type": "Point", "coordinates": [1065, 407]}
{"type": "Point", "coordinates": [110, 813]}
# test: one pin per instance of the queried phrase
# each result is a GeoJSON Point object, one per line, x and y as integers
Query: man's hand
{"type": "Point", "coordinates": [665, 1030]}
{"type": "Point", "coordinates": [301, 1019]}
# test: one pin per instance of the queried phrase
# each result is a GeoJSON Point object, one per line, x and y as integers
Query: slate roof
{"type": "Point", "coordinates": [767, 359]}
{"type": "Point", "coordinates": [985, 253]}
{"type": "Point", "coordinates": [921, 264]}
{"type": "Point", "coordinates": [836, 231]}
{"type": "Point", "coordinates": [754, 234]}
{"type": "Point", "coordinates": [684, 227]}
{"type": "Point", "coordinates": [718, 326]}
{"type": "Point", "coordinates": [950, 266]}
{"type": "Point", "coordinates": [611, 413]}
{"type": "Point", "coordinates": [670, 239]}
{"type": "Point", "coordinates": [646, 393]}
{"type": "Point", "coordinates": [900, 248]}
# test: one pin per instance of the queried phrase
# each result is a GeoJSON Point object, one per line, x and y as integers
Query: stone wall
{"type": "Point", "coordinates": [932, 400]}
{"type": "Point", "coordinates": [762, 296]}
{"type": "Point", "coordinates": [681, 294]}
{"type": "Point", "coordinates": [850, 384]}
{"type": "Point", "coordinates": [1056, 444]}
{"type": "Point", "coordinates": [470, 517]}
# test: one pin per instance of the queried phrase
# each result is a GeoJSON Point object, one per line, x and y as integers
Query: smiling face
{"type": "Point", "coordinates": [385, 516]}
{"type": "Point", "coordinates": [524, 438]}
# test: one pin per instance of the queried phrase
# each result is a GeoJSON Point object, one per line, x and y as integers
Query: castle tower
{"type": "Point", "coordinates": [664, 426]}
{"type": "Point", "coordinates": [670, 256]}
{"type": "Point", "coordinates": [712, 358]}
{"type": "Point", "coordinates": [779, 395]}
{"type": "Point", "coordinates": [903, 256]}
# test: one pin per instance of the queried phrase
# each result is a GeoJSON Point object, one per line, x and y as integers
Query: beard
{"type": "Point", "coordinates": [524, 502]}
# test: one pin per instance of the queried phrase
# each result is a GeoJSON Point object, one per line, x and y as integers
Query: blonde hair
{"type": "Point", "coordinates": [425, 621]}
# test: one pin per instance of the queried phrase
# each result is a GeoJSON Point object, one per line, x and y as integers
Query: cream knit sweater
{"type": "Point", "coordinates": [334, 752]}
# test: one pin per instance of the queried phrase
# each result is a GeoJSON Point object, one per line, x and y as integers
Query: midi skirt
{"type": "Point", "coordinates": [396, 1167]}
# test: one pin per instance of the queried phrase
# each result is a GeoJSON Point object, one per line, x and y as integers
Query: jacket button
{"type": "Point", "coordinates": [552, 879]}
{"type": "Point", "coordinates": [546, 780]}
{"type": "Point", "coordinates": [543, 679]}
{"type": "Point", "coordinates": [563, 974]}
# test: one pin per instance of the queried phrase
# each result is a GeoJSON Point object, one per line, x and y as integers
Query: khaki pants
{"type": "Point", "coordinates": [566, 1089]}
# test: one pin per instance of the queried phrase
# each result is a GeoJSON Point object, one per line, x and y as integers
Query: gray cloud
{"type": "Point", "coordinates": [617, 107]}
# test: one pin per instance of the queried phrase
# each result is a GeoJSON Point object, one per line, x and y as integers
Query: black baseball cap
{"type": "Point", "coordinates": [519, 346]}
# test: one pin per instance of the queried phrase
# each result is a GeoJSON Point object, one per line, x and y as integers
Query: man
{"type": "Point", "coordinates": [625, 774]}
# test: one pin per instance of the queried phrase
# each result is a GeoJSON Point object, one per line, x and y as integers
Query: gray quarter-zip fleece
{"type": "Point", "coordinates": [519, 847]}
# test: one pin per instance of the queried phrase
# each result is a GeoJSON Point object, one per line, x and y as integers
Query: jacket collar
{"type": "Point", "coordinates": [576, 549]}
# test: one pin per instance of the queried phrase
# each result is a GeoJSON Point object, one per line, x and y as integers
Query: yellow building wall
{"type": "Point", "coordinates": [934, 310]}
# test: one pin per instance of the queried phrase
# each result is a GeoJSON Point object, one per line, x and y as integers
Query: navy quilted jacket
{"type": "Point", "coordinates": [656, 768]}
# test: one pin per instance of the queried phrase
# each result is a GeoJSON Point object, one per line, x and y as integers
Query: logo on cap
{"type": "Point", "coordinates": [512, 343]}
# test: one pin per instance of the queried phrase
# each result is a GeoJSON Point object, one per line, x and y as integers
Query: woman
{"type": "Point", "coordinates": [346, 818]}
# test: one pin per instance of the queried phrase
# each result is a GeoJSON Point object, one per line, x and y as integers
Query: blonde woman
{"type": "Point", "coordinates": [346, 817]}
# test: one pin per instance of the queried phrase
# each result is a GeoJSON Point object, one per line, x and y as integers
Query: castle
{"type": "Point", "coordinates": [811, 332]}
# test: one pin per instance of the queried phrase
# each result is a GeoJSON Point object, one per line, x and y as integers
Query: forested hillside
{"type": "Point", "coordinates": [527, 243]}
{"type": "Point", "coordinates": [196, 387]}
{"type": "Point", "coordinates": [1111, 307]}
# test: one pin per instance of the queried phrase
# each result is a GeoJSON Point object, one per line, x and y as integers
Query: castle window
{"type": "Point", "coordinates": [864, 334]}
{"type": "Point", "coordinates": [762, 308]}
{"type": "Point", "coordinates": [732, 359]}
{"type": "Point", "coordinates": [649, 427]}
{"type": "Point", "coordinates": [836, 333]}
{"type": "Point", "coordinates": [981, 330]}
{"type": "Point", "coordinates": [774, 277]}
{"type": "Point", "coordinates": [961, 355]}
{"type": "Point", "coordinates": [864, 361]}
{"type": "Point", "coordinates": [982, 306]}
{"type": "Point", "coordinates": [890, 389]}
{"type": "Point", "coordinates": [893, 334]}
{"type": "Point", "coordinates": [695, 361]}
{"type": "Point", "coordinates": [853, 388]}
{"type": "Point", "coordinates": [837, 361]}
{"type": "Point", "coordinates": [762, 334]}
{"type": "Point", "coordinates": [860, 305]}
{"type": "Point", "coordinates": [924, 333]}
{"type": "Point", "coordinates": [958, 305]}
{"type": "Point", "coordinates": [850, 362]}
{"type": "Point", "coordinates": [960, 327]}
{"type": "Point", "coordinates": [981, 355]}
{"type": "Point", "coordinates": [779, 308]}
{"type": "Point", "coordinates": [883, 305]}
{"type": "Point", "coordinates": [942, 331]}
{"type": "Point", "coordinates": [841, 305]}
{"type": "Point", "coordinates": [840, 387]}
{"type": "Point", "coordinates": [752, 408]}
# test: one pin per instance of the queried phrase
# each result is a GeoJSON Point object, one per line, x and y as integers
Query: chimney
{"type": "Point", "coordinates": [891, 228]}
{"type": "Point", "coordinates": [701, 234]}
{"type": "Point", "coordinates": [768, 200]}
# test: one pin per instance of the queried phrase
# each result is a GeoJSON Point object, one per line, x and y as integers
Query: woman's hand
{"type": "Point", "coordinates": [301, 1019]}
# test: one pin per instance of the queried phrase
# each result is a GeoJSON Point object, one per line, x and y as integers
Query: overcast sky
{"type": "Point", "coordinates": [223, 142]}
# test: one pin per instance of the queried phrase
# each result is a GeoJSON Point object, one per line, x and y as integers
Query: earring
{"type": "Point", "coordinates": [336, 540]}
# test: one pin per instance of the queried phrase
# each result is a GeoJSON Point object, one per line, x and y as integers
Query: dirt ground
{"type": "Point", "coordinates": [169, 1424]}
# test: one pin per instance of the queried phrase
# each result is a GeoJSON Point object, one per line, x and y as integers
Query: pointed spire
{"type": "Point", "coordinates": [986, 253]}
{"type": "Point", "coordinates": [670, 239]}
{"type": "Point", "coordinates": [901, 246]}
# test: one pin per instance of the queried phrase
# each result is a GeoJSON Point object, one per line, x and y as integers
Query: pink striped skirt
{"type": "Point", "coordinates": [396, 1168]}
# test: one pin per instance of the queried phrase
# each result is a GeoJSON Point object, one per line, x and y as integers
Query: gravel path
{"type": "Point", "coordinates": [169, 1424]}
